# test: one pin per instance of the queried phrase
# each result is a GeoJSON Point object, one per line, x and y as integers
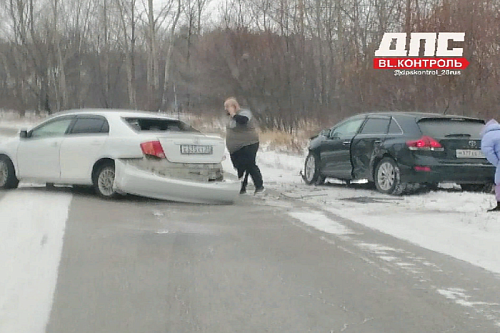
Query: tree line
{"type": "Point", "coordinates": [290, 61]}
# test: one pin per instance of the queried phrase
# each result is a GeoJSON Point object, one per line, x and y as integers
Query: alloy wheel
{"type": "Point", "coordinates": [310, 168]}
{"type": "Point", "coordinates": [105, 181]}
{"type": "Point", "coordinates": [386, 176]}
{"type": "Point", "coordinates": [4, 173]}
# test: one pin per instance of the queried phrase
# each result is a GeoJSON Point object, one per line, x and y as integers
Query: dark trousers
{"type": "Point", "coordinates": [244, 162]}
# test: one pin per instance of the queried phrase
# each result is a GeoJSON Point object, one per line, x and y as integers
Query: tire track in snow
{"type": "Point", "coordinates": [31, 238]}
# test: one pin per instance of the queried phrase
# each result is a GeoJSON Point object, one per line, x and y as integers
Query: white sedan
{"type": "Point", "coordinates": [120, 152]}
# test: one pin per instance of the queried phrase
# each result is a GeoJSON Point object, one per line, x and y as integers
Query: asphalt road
{"type": "Point", "coordinates": [149, 266]}
{"type": "Point", "coordinates": [137, 265]}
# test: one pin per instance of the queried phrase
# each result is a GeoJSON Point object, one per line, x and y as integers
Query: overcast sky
{"type": "Point", "coordinates": [213, 7]}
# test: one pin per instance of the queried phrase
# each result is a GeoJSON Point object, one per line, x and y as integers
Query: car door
{"type": "Point", "coordinates": [38, 153]}
{"type": "Point", "coordinates": [335, 150]}
{"type": "Point", "coordinates": [82, 147]}
{"type": "Point", "coordinates": [366, 143]}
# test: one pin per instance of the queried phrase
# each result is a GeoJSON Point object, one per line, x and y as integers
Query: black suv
{"type": "Point", "coordinates": [394, 150]}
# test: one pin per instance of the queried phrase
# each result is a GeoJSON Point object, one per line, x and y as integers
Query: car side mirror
{"type": "Point", "coordinates": [23, 134]}
{"type": "Point", "coordinates": [325, 132]}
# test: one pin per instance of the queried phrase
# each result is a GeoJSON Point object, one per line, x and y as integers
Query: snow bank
{"type": "Point", "coordinates": [31, 238]}
{"type": "Point", "coordinates": [12, 119]}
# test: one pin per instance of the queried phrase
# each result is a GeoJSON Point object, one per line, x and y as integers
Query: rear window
{"type": "Point", "coordinates": [451, 127]}
{"type": "Point", "coordinates": [158, 125]}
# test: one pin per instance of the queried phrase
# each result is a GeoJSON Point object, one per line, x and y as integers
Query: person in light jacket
{"type": "Point", "coordinates": [242, 141]}
{"type": "Point", "coordinates": [490, 145]}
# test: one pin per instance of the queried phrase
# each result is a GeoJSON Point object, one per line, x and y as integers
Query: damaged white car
{"type": "Point", "coordinates": [120, 152]}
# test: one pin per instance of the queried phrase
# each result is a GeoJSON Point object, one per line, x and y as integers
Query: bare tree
{"type": "Point", "coordinates": [128, 19]}
{"type": "Point", "coordinates": [289, 60]}
{"type": "Point", "coordinates": [168, 56]}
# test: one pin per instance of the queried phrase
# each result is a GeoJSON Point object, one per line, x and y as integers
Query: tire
{"type": "Point", "coordinates": [312, 174]}
{"type": "Point", "coordinates": [432, 186]}
{"type": "Point", "coordinates": [388, 178]}
{"type": "Point", "coordinates": [103, 181]}
{"type": "Point", "coordinates": [485, 188]}
{"type": "Point", "coordinates": [8, 179]}
{"type": "Point", "coordinates": [83, 188]}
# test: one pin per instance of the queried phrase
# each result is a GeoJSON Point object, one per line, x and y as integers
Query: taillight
{"type": "Point", "coordinates": [153, 148]}
{"type": "Point", "coordinates": [424, 143]}
{"type": "Point", "coordinates": [423, 168]}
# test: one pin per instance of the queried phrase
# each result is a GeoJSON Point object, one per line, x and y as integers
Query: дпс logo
{"type": "Point", "coordinates": [436, 46]}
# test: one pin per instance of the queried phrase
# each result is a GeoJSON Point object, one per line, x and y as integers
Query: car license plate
{"type": "Point", "coordinates": [196, 149]}
{"type": "Point", "coordinates": [470, 153]}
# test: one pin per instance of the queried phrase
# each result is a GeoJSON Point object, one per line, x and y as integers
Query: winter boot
{"type": "Point", "coordinates": [243, 188]}
{"type": "Point", "coordinates": [259, 190]}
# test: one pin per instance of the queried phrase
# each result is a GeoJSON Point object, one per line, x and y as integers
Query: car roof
{"type": "Point", "coordinates": [113, 112]}
{"type": "Point", "coordinates": [416, 115]}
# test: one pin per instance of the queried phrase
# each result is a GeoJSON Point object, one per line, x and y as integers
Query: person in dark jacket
{"type": "Point", "coordinates": [242, 141]}
{"type": "Point", "coordinates": [490, 145]}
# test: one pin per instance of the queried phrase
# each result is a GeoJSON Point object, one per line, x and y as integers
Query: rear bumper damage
{"type": "Point", "coordinates": [133, 180]}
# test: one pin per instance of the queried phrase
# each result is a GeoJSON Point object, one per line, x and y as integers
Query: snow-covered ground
{"type": "Point", "coordinates": [31, 237]}
{"type": "Point", "coordinates": [16, 124]}
{"type": "Point", "coordinates": [447, 221]}
{"type": "Point", "coordinates": [11, 119]}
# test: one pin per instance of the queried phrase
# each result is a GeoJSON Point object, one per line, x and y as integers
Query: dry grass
{"type": "Point", "coordinates": [273, 139]}
{"type": "Point", "coordinates": [281, 141]}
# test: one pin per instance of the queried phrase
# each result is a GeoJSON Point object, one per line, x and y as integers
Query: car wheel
{"type": "Point", "coordinates": [432, 186]}
{"type": "Point", "coordinates": [387, 177]}
{"type": "Point", "coordinates": [8, 179]}
{"type": "Point", "coordinates": [486, 188]}
{"type": "Point", "coordinates": [104, 180]}
{"type": "Point", "coordinates": [311, 170]}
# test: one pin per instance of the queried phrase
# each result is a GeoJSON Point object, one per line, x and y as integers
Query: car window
{"type": "Point", "coordinates": [158, 125]}
{"type": "Point", "coordinates": [349, 128]}
{"type": "Point", "coordinates": [376, 126]}
{"type": "Point", "coordinates": [90, 125]}
{"type": "Point", "coordinates": [394, 127]}
{"type": "Point", "coordinates": [54, 128]}
{"type": "Point", "coordinates": [444, 127]}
